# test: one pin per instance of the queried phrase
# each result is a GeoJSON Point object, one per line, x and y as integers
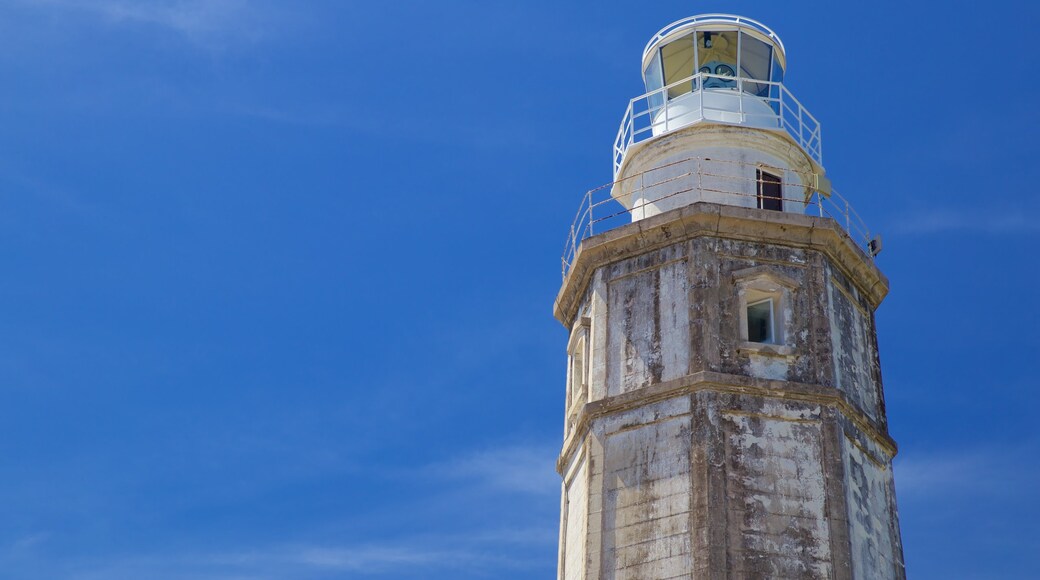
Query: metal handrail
{"type": "Point", "coordinates": [599, 212]}
{"type": "Point", "coordinates": [647, 115]}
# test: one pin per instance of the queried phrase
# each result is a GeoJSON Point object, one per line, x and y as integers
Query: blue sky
{"type": "Point", "coordinates": [278, 275]}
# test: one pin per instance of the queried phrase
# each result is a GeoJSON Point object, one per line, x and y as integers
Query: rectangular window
{"type": "Point", "coordinates": [760, 321]}
{"type": "Point", "coordinates": [578, 372]}
{"type": "Point", "coordinates": [770, 191]}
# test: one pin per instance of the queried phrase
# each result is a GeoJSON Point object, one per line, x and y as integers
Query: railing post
{"type": "Point", "coordinates": [801, 127]}
{"type": "Point", "coordinates": [819, 142]}
{"type": "Point", "coordinates": [642, 206]}
{"type": "Point", "coordinates": [700, 181]}
{"type": "Point", "coordinates": [700, 97]}
{"type": "Point", "coordinates": [819, 203]}
{"type": "Point", "coordinates": [740, 97]}
{"type": "Point", "coordinates": [592, 218]}
{"type": "Point", "coordinates": [664, 111]}
{"type": "Point", "coordinates": [631, 124]}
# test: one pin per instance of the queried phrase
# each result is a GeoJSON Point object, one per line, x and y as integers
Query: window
{"type": "Point", "coordinates": [578, 372]}
{"type": "Point", "coordinates": [770, 191]}
{"type": "Point", "coordinates": [760, 321]}
{"type": "Point", "coordinates": [765, 310]}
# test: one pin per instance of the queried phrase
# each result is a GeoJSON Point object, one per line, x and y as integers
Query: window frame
{"type": "Point", "coordinates": [754, 286]}
{"type": "Point", "coordinates": [577, 379]}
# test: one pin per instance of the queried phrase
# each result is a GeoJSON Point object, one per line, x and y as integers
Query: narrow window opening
{"type": "Point", "coordinates": [770, 191]}
{"type": "Point", "coordinates": [577, 394]}
{"type": "Point", "coordinates": [578, 372]}
{"type": "Point", "coordinates": [760, 321]}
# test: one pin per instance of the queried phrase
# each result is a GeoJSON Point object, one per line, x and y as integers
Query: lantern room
{"type": "Point", "coordinates": [705, 67]}
{"type": "Point", "coordinates": [716, 123]}
{"type": "Point", "coordinates": [717, 46]}
{"type": "Point", "coordinates": [716, 68]}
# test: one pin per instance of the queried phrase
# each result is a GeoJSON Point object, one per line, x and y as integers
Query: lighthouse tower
{"type": "Point", "coordinates": [724, 414]}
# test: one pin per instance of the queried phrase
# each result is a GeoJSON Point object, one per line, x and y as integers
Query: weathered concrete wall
{"type": "Point", "coordinates": [776, 493]}
{"type": "Point", "coordinates": [575, 520]}
{"type": "Point", "coordinates": [646, 494]}
{"type": "Point", "coordinates": [857, 371]}
{"type": "Point", "coordinates": [727, 485]}
{"type": "Point", "coordinates": [732, 256]}
{"type": "Point", "coordinates": [676, 310]}
{"type": "Point", "coordinates": [648, 324]}
{"type": "Point", "coordinates": [870, 495]}
{"type": "Point", "coordinates": [709, 455]}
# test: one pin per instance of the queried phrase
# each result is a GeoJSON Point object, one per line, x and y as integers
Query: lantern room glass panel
{"type": "Point", "coordinates": [677, 57]}
{"type": "Point", "coordinates": [717, 57]}
{"type": "Point", "coordinates": [776, 75]}
{"type": "Point", "coordinates": [652, 78]}
{"type": "Point", "coordinates": [755, 60]}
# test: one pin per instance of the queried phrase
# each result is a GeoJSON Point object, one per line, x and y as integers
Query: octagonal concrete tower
{"type": "Point", "coordinates": [725, 415]}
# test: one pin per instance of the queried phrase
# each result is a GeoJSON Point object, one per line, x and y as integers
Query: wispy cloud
{"type": "Point", "coordinates": [30, 541]}
{"type": "Point", "coordinates": [209, 23]}
{"type": "Point", "coordinates": [1009, 221]}
{"type": "Point", "coordinates": [390, 559]}
{"type": "Point", "coordinates": [520, 468]}
{"type": "Point", "coordinates": [997, 471]}
{"type": "Point", "coordinates": [369, 559]}
{"type": "Point", "coordinates": [493, 512]}
{"type": "Point", "coordinates": [386, 558]}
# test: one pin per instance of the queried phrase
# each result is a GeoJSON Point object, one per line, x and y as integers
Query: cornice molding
{"type": "Point", "coordinates": [722, 383]}
{"type": "Point", "coordinates": [703, 219]}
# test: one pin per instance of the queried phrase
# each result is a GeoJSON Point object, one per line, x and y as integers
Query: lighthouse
{"type": "Point", "coordinates": [725, 416]}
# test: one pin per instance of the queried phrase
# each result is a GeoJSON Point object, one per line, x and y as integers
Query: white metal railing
{"type": "Point", "coordinates": [599, 212]}
{"type": "Point", "coordinates": [749, 101]}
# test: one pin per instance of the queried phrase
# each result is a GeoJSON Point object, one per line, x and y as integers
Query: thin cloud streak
{"type": "Point", "coordinates": [515, 469]}
{"type": "Point", "coordinates": [941, 221]}
{"type": "Point", "coordinates": [318, 560]}
{"type": "Point", "coordinates": [985, 471]}
{"type": "Point", "coordinates": [501, 483]}
{"type": "Point", "coordinates": [363, 558]}
{"type": "Point", "coordinates": [375, 559]}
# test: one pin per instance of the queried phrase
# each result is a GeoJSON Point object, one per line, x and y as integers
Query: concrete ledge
{"type": "Point", "coordinates": [722, 383]}
{"type": "Point", "coordinates": [766, 349]}
{"type": "Point", "coordinates": [722, 221]}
